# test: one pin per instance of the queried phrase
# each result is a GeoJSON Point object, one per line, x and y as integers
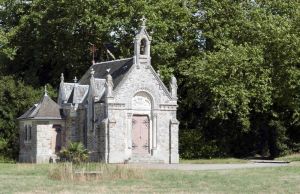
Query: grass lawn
{"type": "Point", "coordinates": [29, 178]}
{"type": "Point", "coordinates": [290, 158]}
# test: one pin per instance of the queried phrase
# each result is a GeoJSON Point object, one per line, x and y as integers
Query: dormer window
{"type": "Point", "coordinates": [143, 46]}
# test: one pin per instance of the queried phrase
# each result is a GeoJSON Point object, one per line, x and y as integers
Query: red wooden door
{"type": "Point", "coordinates": [140, 134]}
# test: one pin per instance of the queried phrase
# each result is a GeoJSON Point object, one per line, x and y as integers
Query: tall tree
{"type": "Point", "coordinates": [54, 37]}
{"type": "Point", "coordinates": [247, 77]}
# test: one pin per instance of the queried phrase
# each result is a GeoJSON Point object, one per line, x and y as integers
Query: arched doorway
{"type": "Point", "coordinates": [141, 123]}
{"type": "Point", "coordinates": [56, 139]}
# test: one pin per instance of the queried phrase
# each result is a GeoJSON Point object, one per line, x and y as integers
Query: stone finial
{"type": "Point", "coordinates": [158, 73]}
{"type": "Point", "coordinates": [93, 51]}
{"type": "Point", "coordinates": [75, 79]}
{"type": "Point", "coordinates": [61, 96]}
{"type": "Point", "coordinates": [173, 87]}
{"type": "Point", "coordinates": [45, 90]}
{"type": "Point", "coordinates": [92, 83]}
{"type": "Point", "coordinates": [92, 72]}
{"type": "Point", "coordinates": [110, 85]}
{"type": "Point", "coordinates": [109, 79]}
{"type": "Point", "coordinates": [174, 81]}
{"type": "Point", "coordinates": [62, 77]}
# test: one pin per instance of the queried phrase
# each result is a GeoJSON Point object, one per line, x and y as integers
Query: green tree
{"type": "Point", "coordinates": [247, 78]}
{"type": "Point", "coordinates": [15, 98]}
{"type": "Point", "coordinates": [54, 37]}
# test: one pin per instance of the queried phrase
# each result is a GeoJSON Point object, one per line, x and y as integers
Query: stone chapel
{"type": "Point", "coordinates": [120, 110]}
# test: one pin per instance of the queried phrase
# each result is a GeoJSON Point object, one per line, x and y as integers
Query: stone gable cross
{"type": "Point", "coordinates": [144, 20]}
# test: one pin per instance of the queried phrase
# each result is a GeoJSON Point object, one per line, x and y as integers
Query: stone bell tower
{"type": "Point", "coordinates": [142, 43]}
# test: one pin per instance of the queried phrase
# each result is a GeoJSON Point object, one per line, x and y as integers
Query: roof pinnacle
{"type": "Point", "coordinates": [75, 79]}
{"type": "Point", "coordinates": [46, 92]}
{"type": "Point", "coordinates": [62, 77]}
{"type": "Point", "coordinates": [92, 72]}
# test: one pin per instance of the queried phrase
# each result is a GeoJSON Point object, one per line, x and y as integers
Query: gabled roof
{"type": "Point", "coordinates": [99, 87]}
{"type": "Point", "coordinates": [66, 90]}
{"type": "Point", "coordinates": [45, 109]}
{"type": "Point", "coordinates": [117, 69]}
{"type": "Point", "coordinates": [78, 94]}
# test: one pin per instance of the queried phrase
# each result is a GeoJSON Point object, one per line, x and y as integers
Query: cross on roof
{"type": "Point", "coordinates": [93, 50]}
{"type": "Point", "coordinates": [144, 20]}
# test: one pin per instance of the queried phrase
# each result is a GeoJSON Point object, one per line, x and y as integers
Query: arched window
{"type": "Point", "coordinates": [26, 133]}
{"type": "Point", "coordinates": [143, 46]}
{"type": "Point", "coordinates": [29, 133]}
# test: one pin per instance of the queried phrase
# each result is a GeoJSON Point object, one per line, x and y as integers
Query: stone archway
{"type": "Point", "coordinates": [56, 139]}
{"type": "Point", "coordinates": [141, 102]}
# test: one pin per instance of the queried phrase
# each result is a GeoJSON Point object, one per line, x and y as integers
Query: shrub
{"type": "Point", "coordinates": [193, 145]}
{"type": "Point", "coordinates": [75, 152]}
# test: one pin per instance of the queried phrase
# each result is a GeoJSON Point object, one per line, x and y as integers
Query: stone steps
{"type": "Point", "coordinates": [144, 159]}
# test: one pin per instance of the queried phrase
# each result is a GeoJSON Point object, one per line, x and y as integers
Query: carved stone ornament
{"type": "Point", "coordinates": [173, 87]}
{"type": "Point", "coordinates": [141, 101]}
{"type": "Point", "coordinates": [174, 81]}
{"type": "Point", "coordinates": [110, 85]}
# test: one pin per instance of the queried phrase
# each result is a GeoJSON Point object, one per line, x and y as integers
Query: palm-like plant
{"type": "Point", "coordinates": [75, 152]}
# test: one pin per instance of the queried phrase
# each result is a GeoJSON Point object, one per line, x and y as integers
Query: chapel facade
{"type": "Point", "coordinates": [120, 110]}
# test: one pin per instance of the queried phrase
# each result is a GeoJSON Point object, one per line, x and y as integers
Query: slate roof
{"type": "Point", "coordinates": [117, 69]}
{"type": "Point", "coordinates": [78, 94]}
{"type": "Point", "coordinates": [45, 109]}
{"type": "Point", "coordinates": [67, 89]}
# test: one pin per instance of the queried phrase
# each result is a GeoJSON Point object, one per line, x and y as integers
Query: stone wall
{"type": "Point", "coordinates": [38, 149]}
{"type": "Point", "coordinates": [117, 136]}
{"type": "Point", "coordinates": [93, 132]}
{"type": "Point", "coordinates": [27, 148]}
{"type": "Point", "coordinates": [43, 133]}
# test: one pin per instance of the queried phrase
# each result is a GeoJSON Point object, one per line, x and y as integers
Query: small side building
{"type": "Point", "coordinates": [41, 132]}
